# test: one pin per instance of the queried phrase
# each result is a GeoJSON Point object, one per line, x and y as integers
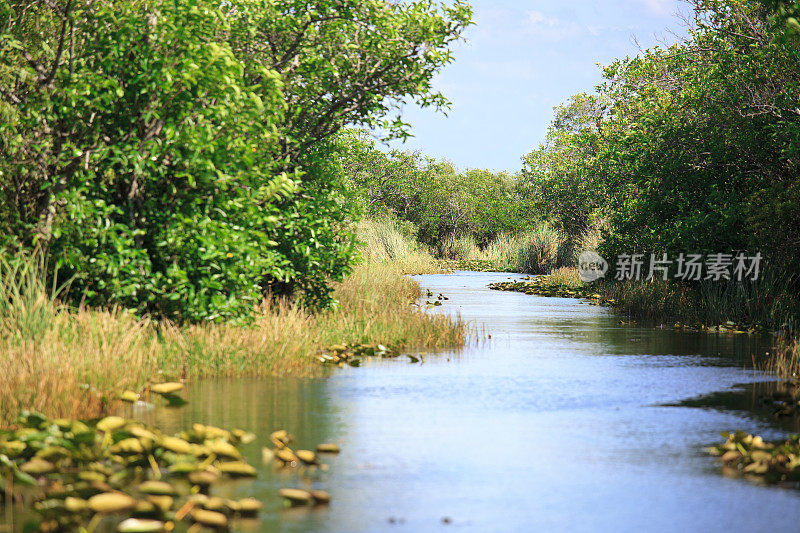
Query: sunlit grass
{"type": "Point", "coordinates": [785, 359]}
{"type": "Point", "coordinates": [385, 242]}
{"type": "Point", "coordinates": [68, 362]}
{"type": "Point", "coordinates": [767, 301]}
{"type": "Point", "coordinates": [563, 277]}
{"type": "Point", "coordinates": [537, 250]}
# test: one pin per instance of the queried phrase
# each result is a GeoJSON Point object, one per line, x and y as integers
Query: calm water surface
{"type": "Point", "coordinates": [561, 421]}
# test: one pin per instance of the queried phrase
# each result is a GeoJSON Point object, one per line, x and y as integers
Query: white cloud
{"type": "Point", "coordinates": [539, 18]}
{"type": "Point", "coordinates": [550, 28]}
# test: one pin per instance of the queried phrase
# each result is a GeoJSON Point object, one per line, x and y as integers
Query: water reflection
{"type": "Point", "coordinates": [563, 420]}
{"type": "Point", "coordinates": [754, 400]}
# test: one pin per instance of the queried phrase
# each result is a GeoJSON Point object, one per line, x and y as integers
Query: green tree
{"type": "Point", "coordinates": [560, 178]}
{"type": "Point", "coordinates": [176, 157]}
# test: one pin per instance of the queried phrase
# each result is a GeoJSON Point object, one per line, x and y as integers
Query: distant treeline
{"type": "Point", "coordinates": [691, 148]}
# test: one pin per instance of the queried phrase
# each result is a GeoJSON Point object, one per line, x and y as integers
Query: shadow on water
{"type": "Point", "coordinates": [755, 400]}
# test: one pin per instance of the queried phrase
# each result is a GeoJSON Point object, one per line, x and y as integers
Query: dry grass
{"type": "Point", "coordinates": [374, 306]}
{"type": "Point", "coordinates": [785, 360]}
{"type": "Point", "coordinates": [537, 250]}
{"type": "Point", "coordinates": [563, 277]}
{"type": "Point", "coordinates": [75, 362]}
{"type": "Point", "coordinates": [76, 365]}
{"type": "Point", "coordinates": [387, 242]}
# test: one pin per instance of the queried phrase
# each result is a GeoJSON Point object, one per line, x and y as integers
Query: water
{"type": "Point", "coordinates": [562, 421]}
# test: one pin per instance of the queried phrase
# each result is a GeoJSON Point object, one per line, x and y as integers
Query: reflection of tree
{"type": "Point", "coordinates": [601, 331]}
{"type": "Point", "coordinates": [752, 398]}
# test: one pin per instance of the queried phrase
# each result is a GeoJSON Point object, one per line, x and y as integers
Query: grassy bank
{"type": "Point", "coordinates": [74, 362]}
{"type": "Point", "coordinates": [535, 251]}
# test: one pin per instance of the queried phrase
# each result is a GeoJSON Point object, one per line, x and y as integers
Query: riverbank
{"type": "Point", "coordinates": [76, 362]}
{"type": "Point", "coordinates": [724, 306]}
{"type": "Point", "coordinates": [747, 308]}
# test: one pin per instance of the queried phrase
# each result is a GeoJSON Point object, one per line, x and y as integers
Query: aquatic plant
{"type": "Point", "coordinates": [751, 456]}
{"type": "Point", "coordinates": [73, 474]}
{"type": "Point", "coordinates": [785, 359]}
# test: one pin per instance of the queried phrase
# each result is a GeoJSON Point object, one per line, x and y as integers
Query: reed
{"type": "Point", "coordinates": [785, 359]}
{"type": "Point", "coordinates": [386, 241]}
{"type": "Point", "coordinates": [75, 362]}
{"type": "Point", "coordinates": [537, 250]}
{"type": "Point", "coordinates": [768, 301]}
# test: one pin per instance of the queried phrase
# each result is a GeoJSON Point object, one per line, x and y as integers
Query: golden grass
{"type": "Point", "coordinates": [374, 306]}
{"type": "Point", "coordinates": [77, 361]}
{"type": "Point", "coordinates": [563, 277]}
{"type": "Point", "coordinates": [785, 359]}
{"type": "Point", "coordinates": [76, 364]}
{"type": "Point", "coordinates": [536, 250]}
{"type": "Point", "coordinates": [386, 242]}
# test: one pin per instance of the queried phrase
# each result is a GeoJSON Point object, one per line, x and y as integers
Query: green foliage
{"type": "Point", "coordinates": [702, 134]}
{"type": "Point", "coordinates": [443, 204]}
{"type": "Point", "coordinates": [560, 178]}
{"type": "Point", "coordinates": [348, 62]}
{"type": "Point", "coordinates": [691, 148]}
{"type": "Point", "coordinates": [174, 159]}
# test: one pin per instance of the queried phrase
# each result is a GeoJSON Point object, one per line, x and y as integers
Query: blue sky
{"type": "Point", "coordinates": [521, 59]}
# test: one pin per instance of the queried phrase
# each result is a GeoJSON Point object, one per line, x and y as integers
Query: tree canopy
{"type": "Point", "coordinates": [170, 157]}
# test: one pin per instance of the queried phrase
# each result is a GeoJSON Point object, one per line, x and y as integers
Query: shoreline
{"type": "Point", "coordinates": [78, 363]}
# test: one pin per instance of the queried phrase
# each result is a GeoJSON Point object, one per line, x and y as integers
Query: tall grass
{"type": "Point", "coordinates": [785, 360]}
{"type": "Point", "coordinates": [537, 250]}
{"type": "Point", "coordinates": [540, 250]}
{"type": "Point", "coordinates": [388, 241]}
{"type": "Point", "coordinates": [74, 362]}
{"type": "Point", "coordinates": [62, 361]}
{"type": "Point", "coordinates": [767, 301]}
{"type": "Point", "coordinates": [374, 306]}
{"type": "Point", "coordinates": [27, 308]}
{"type": "Point", "coordinates": [459, 248]}
{"type": "Point", "coordinates": [563, 277]}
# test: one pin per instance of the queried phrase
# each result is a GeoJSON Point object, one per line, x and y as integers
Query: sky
{"type": "Point", "coordinates": [520, 60]}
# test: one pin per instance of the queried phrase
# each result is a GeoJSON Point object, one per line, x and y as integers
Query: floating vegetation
{"type": "Point", "coordinates": [327, 448]}
{"type": "Point", "coordinates": [305, 461]}
{"type": "Point", "coordinates": [542, 286]}
{"type": "Point", "coordinates": [353, 354]}
{"type": "Point", "coordinates": [752, 457]}
{"type": "Point", "coordinates": [75, 474]}
{"type": "Point", "coordinates": [476, 265]}
{"type": "Point", "coordinates": [298, 497]}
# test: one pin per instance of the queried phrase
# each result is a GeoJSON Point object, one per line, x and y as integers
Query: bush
{"type": "Point", "coordinates": [173, 158]}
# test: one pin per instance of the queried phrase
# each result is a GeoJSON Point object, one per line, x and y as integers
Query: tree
{"type": "Point", "coordinates": [175, 157]}
{"type": "Point", "coordinates": [347, 62]}
{"type": "Point", "coordinates": [561, 177]}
